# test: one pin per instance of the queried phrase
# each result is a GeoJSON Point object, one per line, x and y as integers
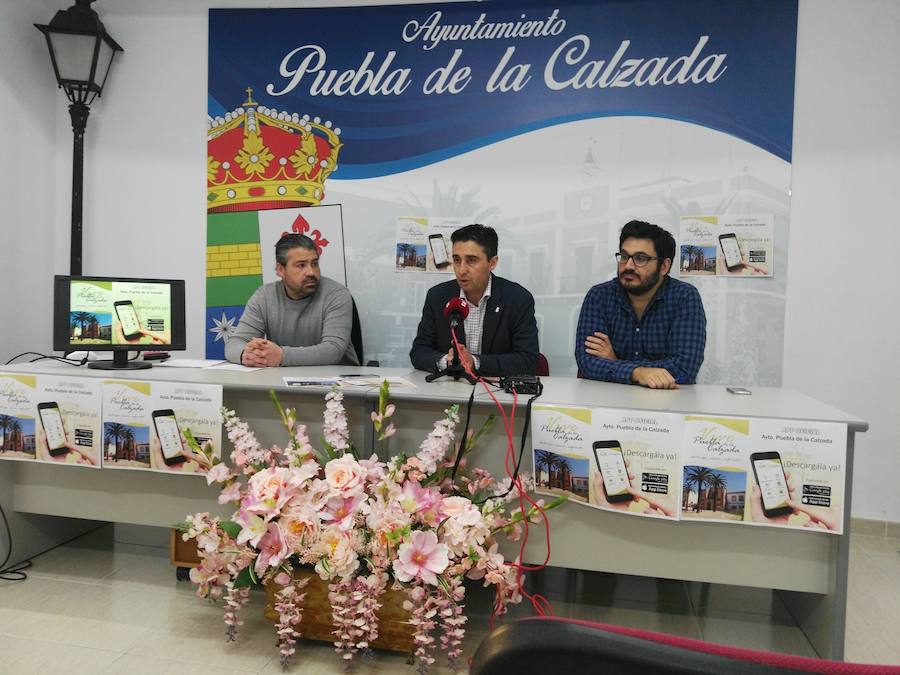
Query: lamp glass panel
{"type": "Point", "coordinates": [104, 60]}
{"type": "Point", "coordinates": [74, 54]}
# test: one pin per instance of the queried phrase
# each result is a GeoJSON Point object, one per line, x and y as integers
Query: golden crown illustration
{"type": "Point", "coordinates": [261, 158]}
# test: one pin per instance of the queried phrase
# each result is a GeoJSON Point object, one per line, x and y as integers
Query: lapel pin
{"type": "Point", "coordinates": [496, 310]}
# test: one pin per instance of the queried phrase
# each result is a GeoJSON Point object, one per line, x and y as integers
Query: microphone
{"type": "Point", "coordinates": [456, 310]}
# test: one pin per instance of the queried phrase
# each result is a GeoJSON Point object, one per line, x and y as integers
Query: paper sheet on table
{"type": "Point", "coordinates": [234, 366]}
{"type": "Point", "coordinates": [374, 381]}
{"type": "Point", "coordinates": [309, 381]}
{"type": "Point", "coordinates": [190, 363]}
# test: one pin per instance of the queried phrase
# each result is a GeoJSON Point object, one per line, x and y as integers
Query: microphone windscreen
{"type": "Point", "coordinates": [456, 306]}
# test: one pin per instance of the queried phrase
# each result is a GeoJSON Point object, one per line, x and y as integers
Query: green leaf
{"type": "Point", "coordinates": [245, 578]}
{"type": "Point", "coordinates": [230, 528]}
{"type": "Point", "coordinates": [485, 427]}
{"type": "Point", "coordinates": [443, 582]}
{"type": "Point", "coordinates": [192, 441]}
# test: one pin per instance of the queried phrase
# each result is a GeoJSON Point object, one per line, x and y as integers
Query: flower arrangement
{"type": "Point", "coordinates": [411, 523]}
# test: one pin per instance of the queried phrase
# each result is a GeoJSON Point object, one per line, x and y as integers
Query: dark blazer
{"type": "Point", "coordinates": [509, 345]}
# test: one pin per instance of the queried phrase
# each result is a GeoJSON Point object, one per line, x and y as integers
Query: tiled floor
{"type": "Point", "coordinates": [95, 606]}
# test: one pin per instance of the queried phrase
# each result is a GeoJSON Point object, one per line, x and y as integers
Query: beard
{"type": "Point", "coordinates": [642, 287]}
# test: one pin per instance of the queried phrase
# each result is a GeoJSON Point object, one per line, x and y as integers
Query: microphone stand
{"type": "Point", "coordinates": [454, 367]}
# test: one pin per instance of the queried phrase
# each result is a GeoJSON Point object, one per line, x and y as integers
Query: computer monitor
{"type": "Point", "coordinates": [118, 315]}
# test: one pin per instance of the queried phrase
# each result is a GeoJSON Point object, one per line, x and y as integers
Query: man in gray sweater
{"type": "Point", "coordinates": [303, 320]}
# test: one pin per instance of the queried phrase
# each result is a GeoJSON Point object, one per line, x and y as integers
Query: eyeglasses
{"type": "Point", "coordinates": [640, 259]}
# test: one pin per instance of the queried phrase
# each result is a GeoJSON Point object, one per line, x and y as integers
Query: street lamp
{"type": "Point", "coordinates": [82, 52]}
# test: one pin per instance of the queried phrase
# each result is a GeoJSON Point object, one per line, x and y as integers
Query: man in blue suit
{"type": "Point", "coordinates": [499, 336]}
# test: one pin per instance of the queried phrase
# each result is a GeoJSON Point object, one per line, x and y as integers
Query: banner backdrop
{"type": "Point", "coordinates": [554, 123]}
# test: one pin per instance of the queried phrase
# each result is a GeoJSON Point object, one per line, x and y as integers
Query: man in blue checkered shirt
{"type": "Point", "coordinates": [642, 327]}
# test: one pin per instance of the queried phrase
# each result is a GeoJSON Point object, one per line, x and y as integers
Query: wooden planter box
{"type": "Point", "coordinates": [394, 631]}
{"type": "Point", "coordinates": [183, 553]}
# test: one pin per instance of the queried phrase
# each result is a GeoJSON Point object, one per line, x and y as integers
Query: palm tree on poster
{"type": "Point", "coordinates": [5, 421]}
{"type": "Point", "coordinates": [716, 482]}
{"type": "Point", "coordinates": [560, 466]}
{"type": "Point", "coordinates": [15, 436]}
{"type": "Point", "coordinates": [128, 444]}
{"type": "Point", "coordinates": [542, 461]}
{"type": "Point", "coordinates": [699, 475]}
{"type": "Point", "coordinates": [83, 318]}
{"type": "Point", "coordinates": [113, 435]}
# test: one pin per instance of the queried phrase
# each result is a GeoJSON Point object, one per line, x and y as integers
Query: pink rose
{"type": "Point", "coordinates": [345, 476]}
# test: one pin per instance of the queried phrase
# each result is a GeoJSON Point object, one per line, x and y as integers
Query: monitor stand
{"type": "Point", "coordinates": [120, 362]}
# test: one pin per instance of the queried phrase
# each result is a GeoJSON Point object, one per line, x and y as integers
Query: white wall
{"type": "Point", "coordinates": [144, 196]}
{"type": "Point", "coordinates": [841, 333]}
{"type": "Point", "coordinates": [28, 193]}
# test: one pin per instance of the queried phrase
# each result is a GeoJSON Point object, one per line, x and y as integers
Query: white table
{"type": "Point", "coordinates": [810, 568]}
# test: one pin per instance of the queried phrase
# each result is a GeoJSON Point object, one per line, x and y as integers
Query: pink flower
{"type": "Point", "coordinates": [252, 527]}
{"type": "Point", "coordinates": [271, 489]}
{"type": "Point", "coordinates": [272, 549]}
{"type": "Point", "coordinates": [421, 557]}
{"type": "Point", "coordinates": [342, 510]}
{"type": "Point", "coordinates": [218, 474]}
{"type": "Point", "coordinates": [230, 493]}
{"type": "Point", "coordinates": [416, 499]}
{"type": "Point", "coordinates": [345, 476]}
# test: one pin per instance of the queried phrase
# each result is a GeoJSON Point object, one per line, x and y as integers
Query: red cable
{"type": "Point", "coordinates": [539, 603]}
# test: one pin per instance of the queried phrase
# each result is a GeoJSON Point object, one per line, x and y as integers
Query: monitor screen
{"type": "Point", "coordinates": [117, 314]}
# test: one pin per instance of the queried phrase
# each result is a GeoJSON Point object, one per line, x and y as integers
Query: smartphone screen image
{"type": "Point", "coordinates": [769, 473]}
{"type": "Point", "coordinates": [731, 249]}
{"type": "Point", "coordinates": [611, 463]}
{"type": "Point", "coordinates": [52, 423]}
{"type": "Point", "coordinates": [439, 250]}
{"type": "Point", "coordinates": [131, 327]}
{"type": "Point", "coordinates": [169, 436]}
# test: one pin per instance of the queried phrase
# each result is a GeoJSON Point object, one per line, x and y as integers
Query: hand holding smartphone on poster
{"type": "Point", "coordinates": [733, 257]}
{"type": "Point", "coordinates": [128, 327]}
{"type": "Point", "coordinates": [169, 449]}
{"type": "Point", "coordinates": [438, 247]}
{"type": "Point", "coordinates": [612, 487]}
{"type": "Point", "coordinates": [53, 445]}
{"type": "Point", "coordinates": [772, 496]}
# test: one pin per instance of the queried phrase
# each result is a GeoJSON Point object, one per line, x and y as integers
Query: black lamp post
{"type": "Point", "coordinates": [82, 52]}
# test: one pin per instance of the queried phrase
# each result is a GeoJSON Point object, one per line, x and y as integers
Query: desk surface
{"type": "Point", "coordinates": [708, 399]}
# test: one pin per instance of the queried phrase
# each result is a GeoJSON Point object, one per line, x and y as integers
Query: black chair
{"type": "Point", "coordinates": [357, 341]}
{"type": "Point", "coordinates": [542, 645]}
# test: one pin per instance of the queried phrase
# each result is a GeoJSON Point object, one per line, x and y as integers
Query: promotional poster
{"type": "Point", "coordinates": [714, 453]}
{"type": "Point", "coordinates": [614, 460]}
{"type": "Point", "coordinates": [561, 445]}
{"type": "Point", "coordinates": [635, 467]}
{"type": "Point", "coordinates": [774, 473]}
{"type": "Point", "coordinates": [423, 244]}
{"type": "Point", "coordinates": [798, 471]}
{"type": "Point", "coordinates": [120, 313]}
{"type": "Point", "coordinates": [185, 419]}
{"type": "Point", "coordinates": [69, 430]}
{"type": "Point", "coordinates": [161, 426]}
{"type": "Point", "coordinates": [726, 246]}
{"type": "Point", "coordinates": [126, 424]}
{"type": "Point", "coordinates": [18, 426]}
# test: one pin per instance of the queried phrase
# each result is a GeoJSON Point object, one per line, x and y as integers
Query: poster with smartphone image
{"type": "Point", "coordinates": [186, 428]}
{"type": "Point", "coordinates": [69, 421]}
{"type": "Point", "coordinates": [798, 471]}
{"type": "Point", "coordinates": [635, 463]}
{"type": "Point", "coordinates": [120, 312]}
{"type": "Point", "coordinates": [726, 245]}
{"type": "Point", "coordinates": [18, 423]}
{"type": "Point", "coordinates": [423, 244]}
{"type": "Point", "coordinates": [561, 451]}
